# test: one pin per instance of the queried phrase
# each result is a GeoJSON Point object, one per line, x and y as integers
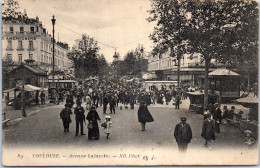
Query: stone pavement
{"type": "Point", "coordinates": [45, 128]}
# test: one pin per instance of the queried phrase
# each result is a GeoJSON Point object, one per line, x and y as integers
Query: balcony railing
{"type": "Point", "coordinates": [31, 49]}
{"type": "Point", "coordinates": [20, 49]}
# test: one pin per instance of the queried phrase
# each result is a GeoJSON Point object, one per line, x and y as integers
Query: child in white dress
{"type": "Point", "coordinates": [109, 124]}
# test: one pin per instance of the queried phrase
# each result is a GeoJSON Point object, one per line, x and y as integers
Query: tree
{"type": "Point", "coordinates": [197, 26]}
{"type": "Point", "coordinates": [7, 67]}
{"type": "Point", "coordinates": [134, 63]}
{"type": "Point", "coordinates": [10, 8]}
{"type": "Point", "coordinates": [212, 21]}
{"type": "Point", "coordinates": [87, 62]}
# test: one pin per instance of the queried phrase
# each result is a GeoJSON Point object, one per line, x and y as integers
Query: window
{"type": "Point", "coordinates": [9, 45]}
{"type": "Point", "coordinates": [9, 57]}
{"type": "Point", "coordinates": [21, 30]}
{"type": "Point", "coordinates": [11, 29]}
{"type": "Point", "coordinates": [30, 56]}
{"type": "Point", "coordinates": [32, 29]}
{"type": "Point", "coordinates": [20, 58]}
{"type": "Point", "coordinates": [41, 45]}
{"type": "Point", "coordinates": [20, 45]}
{"type": "Point", "coordinates": [30, 45]}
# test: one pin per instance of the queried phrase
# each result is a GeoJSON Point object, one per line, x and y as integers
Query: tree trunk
{"type": "Point", "coordinates": [206, 84]}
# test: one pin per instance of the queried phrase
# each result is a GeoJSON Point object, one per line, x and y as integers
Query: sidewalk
{"type": "Point", "coordinates": [13, 114]}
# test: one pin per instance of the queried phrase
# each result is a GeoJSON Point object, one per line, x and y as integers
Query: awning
{"type": "Point", "coordinates": [31, 88]}
{"type": "Point", "coordinates": [248, 100]}
{"type": "Point", "coordinates": [223, 72]}
{"type": "Point", "coordinates": [27, 87]}
{"type": "Point", "coordinates": [8, 90]}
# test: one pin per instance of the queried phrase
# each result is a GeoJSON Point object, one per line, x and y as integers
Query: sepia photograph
{"type": "Point", "coordinates": [130, 82]}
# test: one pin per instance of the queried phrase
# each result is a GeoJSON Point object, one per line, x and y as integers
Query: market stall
{"type": "Point", "coordinates": [16, 99]}
{"type": "Point", "coordinates": [197, 101]}
{"type": "Point", "coordinates": [250, 121]}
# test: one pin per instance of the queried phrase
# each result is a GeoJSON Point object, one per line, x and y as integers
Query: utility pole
{"type": "Point", "coordinates": [53, 59]}
{"type": "Point", "coordinates": [23, 96]}
{"type": "Point", "coordinates": [178, 75]}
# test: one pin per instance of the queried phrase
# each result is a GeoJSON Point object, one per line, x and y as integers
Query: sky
{"type": "Point", "coordinates": [118, 23]}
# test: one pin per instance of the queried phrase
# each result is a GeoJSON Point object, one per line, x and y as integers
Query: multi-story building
{"type": "Point", "coordinates": [25, 38]}
{"type": "Point", "coordinates": [165, 68]}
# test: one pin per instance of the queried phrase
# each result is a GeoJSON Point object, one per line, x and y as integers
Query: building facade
{"type": "Point", "coordinates": [165, 68]}
{"type": "Point", "coordinates": [25, 38]}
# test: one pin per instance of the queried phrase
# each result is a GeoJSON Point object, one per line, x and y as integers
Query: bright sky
{"type": "Point", "coordinates": [118, 23]}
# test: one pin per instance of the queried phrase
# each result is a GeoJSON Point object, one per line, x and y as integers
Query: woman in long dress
{"type": "Point", "coordinates": [92, 118]}
{"type": "Point", "coordinates": [144, 115]}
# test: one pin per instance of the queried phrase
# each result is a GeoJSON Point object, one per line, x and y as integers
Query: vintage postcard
{"type": "Point", "coordinates": [129, 82]}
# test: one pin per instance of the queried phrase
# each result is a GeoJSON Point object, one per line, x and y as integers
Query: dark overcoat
{"type": "Point", "coordinates": [180, 136]}
{"type": "Point", "coordinates": [79, 114]}
{"type": "Point", "coordinates": [208, 129]}
{"type": "Point", "coordinates": [65, 114]}
{"type": "Point", "coordinates": [144, 115]}
{"type": "Point", "coordinates": [92, 117]}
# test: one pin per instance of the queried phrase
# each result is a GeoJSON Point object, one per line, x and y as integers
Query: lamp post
{"type": "Point", "coordinates": [53, 57]}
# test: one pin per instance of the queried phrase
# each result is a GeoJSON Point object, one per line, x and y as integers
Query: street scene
{"type": "Point", "coordinates": [163, 75]}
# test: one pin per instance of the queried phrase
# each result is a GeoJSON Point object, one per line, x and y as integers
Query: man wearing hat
{"type": "Point", "coordinates": [80, 118]}
{"type": "Point", "coordinates": [65, 116]}
{"type": "Point", "coordinates": [183, 134]}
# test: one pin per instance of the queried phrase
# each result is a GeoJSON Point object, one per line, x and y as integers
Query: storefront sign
{"type": "Point", "coordinates": [20, 38]}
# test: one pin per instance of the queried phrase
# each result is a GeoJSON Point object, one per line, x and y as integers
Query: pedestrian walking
{"type": "Point", "coordinates": [144, 115]}
{"type": "Point", "coordinates": [93, 117]}
{"type": "Point", "coordinates": [65, 116]}
{"type": "Point", "coordinates": [37, 97]}
{"type": "Point", "coordinates": [80, 118]}
{"type": "Point", "coordinates": [183, 134]}
{"type": "Point", "coordinates": [78, 100]}
{"type": "Point", "coordinates": [108, 126]}
{"type": "Point", "coordinates": [105, 102]}
{"type": "Point", "coordinates": [112, 103]}
{"type": "Point", "coordinates": [88, 102]}
{"type": "Point", "coordinates": [69, 101]}
{"type": "Point", "coordinates": [177, 102]}
{"type": "Point", "coordinates": [208, 130]}
{"type": "Point", "coordinates": [217, 117]}
{"type": "Point", "coordinates": [42, 96]}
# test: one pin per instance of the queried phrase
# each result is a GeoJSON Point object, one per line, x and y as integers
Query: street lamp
{"type": "Point", "coordinates": [53, 56]}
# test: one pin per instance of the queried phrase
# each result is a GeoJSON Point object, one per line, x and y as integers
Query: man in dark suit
{"type": "Point", "coordinates": [183, 134]}
{"type": "Point", "coordinates": [208, 130]}
{"type": "Point", "coordinates": [79, 117]}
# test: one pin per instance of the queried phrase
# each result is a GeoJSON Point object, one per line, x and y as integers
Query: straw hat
{"type": "Point", "coordinates": [248, 132]}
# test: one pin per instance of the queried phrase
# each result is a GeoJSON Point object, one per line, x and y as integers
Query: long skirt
{"type": "Point", "coordinates": [94, 132]}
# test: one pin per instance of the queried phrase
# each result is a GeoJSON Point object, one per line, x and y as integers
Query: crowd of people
{"type": "Point", "coordinates": [101, 93]}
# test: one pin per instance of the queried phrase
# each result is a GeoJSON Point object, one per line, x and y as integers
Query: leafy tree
{"type": "Point", "coordinates": [7, 67]}
{"type": "Point", "coordinates": [10, 8]}
{"type": "Point", "coordinates": [85, 57]}
{"type": "Point", "coordinates": [197, 26]}
{"type": "Point", "coordinates": [134, 63]}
